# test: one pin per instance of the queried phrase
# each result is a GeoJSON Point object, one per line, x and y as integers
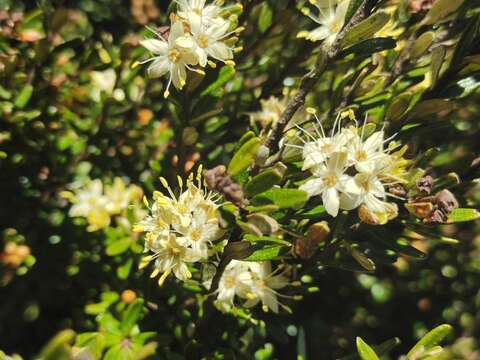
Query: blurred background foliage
{"type": "Point", "coordinates": [73, 106]}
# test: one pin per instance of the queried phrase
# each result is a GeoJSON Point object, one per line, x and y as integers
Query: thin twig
{"type": "Point", "coordinates": [327, 54]}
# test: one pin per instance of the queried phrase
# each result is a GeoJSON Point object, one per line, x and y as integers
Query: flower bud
{"type": "Point", "coordinates": [128, 296]}
{"type": "Point", "coordinates": [264, 223]}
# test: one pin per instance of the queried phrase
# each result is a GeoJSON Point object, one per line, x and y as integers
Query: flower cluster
{"type": "Point", "coordinates": [352, 169]}
{"type": "Point", "coordinates": [179, 230]}
{"type": "Point", "coordinates": [98, 203]}
{"type": "Point", "coordinates": [198, 33]}
{"type": "Point", "coordinates": [252, 281]}
{"type": "Point", "coordinates": [331, 19]}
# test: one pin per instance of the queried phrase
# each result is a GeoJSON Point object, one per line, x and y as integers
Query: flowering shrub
{"type": "Point", "coordinates": [307, 156]}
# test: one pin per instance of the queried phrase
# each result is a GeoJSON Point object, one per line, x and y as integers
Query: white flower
{"type": "Point", "coordinates": [102, 81]}
{"type": "Point", "coordinates": [90, 203]}
{"type": "Point", "coordinates": [201, 232]}
{"type": "Point", "coordinates": [236, 279]}
{"type": "Point", "coordinates": [211, 13]}
{"type": "Point", "coordinates": [331, 19]}
{"type": "Point", "coordinates": [187, 224]}
{"type": "Point", "coordinates": [207, 40]}
{"type": "Point", "coordinates": [263, 286]}
{"type": "Point", "coordinates": [367, 155]}
{"type": "Point", "coordinates": [170, 57]}
{"type": "Point", "coordinates": [119, 196]}
{"type": "Point", "coordinates": [329, 181]}
{"type": "Point", "coordinates": [172, 256]}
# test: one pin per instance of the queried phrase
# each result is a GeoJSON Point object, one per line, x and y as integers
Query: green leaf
{"type": "Point", "coordinates": [430, 107]}
{"type": "Point", "coordinates": [440, 9]}
{"type": "Point", "coordinates": [362, 260]}
{"type": "Point", "coordinates": [370, 46]}
{"type": "Point", "coordinates": [58, 348]}
{"type": "Point", "coordinates": [398, 107]}
{"type": "Point", "coordinates": [120, 352]}
{"type": "Point", "coordinates": [23, 96]}
{"type": "Point", "coordinates": [366, 29]}
{"type": "Point", "coordinates": [265, 253]}
{"type": "Point", "coordinates": [262, 182]}
{"type": "Point", "coordinates": [245, 137]}
{"type": "Point", "coordinates": [124, 270]}
{"type": "Point", "coordinates": [243, 158]}
{"type": "Point", "coordinates": [421, 45]}
{"type": "Point", "coordinates": [268, 239]}
{"type": "Point", "coordinates": [283, 198]}
{"type": "Point", "coordinates": [265, 17]}
{"type": "Point", "coordinates": [466, 41]}
{"type": "Point", "coordinates": [438, 54]}
{"type": "Point", "coordinates": [313, 213]}
{"type": "Point", "coordinates": [365, 351]}
{"type": "Point", "coordinates": [352, 9]}
{"type": "Point", "coordinates": [431, 339]}
{"type": "Point", "coordinates": [463, 215]}
{"type": "Point", "coordinates": [131, 316]}
{"type": "Point", "coordinates": [226, 73]}
{"type": "Point", "coordinates": [118, 247]}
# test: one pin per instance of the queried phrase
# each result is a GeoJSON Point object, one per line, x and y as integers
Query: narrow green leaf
{"type": "Point", "coordinates": [268, 239]}
{"type": "Point", "coordinates": [370, 46]}
{"type": "Point", "coordinates": [463, 215]}
{"type": "Point", "coordinates": [366, 29]}
{"type": "Point", "coordinates": [131, 316]}
{"type": "Point", "coordinates": [352, 9]}
{"type": "Point", "coordinates": [398, 107]}
{"type": "Point", "coordinates": [265, 17]}
{"type": "Point", "coordinates": [262, 182]}
{"type": "Point", "coordinates": [226, 73]}
{"type": "Point", "coordinates": [421, 45]}
{"type": "Point", "coordinates": [124, 270]}
{"type": "Point", "coordinates": [365, 351]}
{"type": "Point", "coordinates": [430, 107]}
{"type": "Point", "coordinates": [440, 9]}
{"type": "Point", "coordinates": [243, 158]}
{"type": "Point", "coordinates": [58, 347]}
{"type": "Point", "coordinates": [283, 198]}
{"type": "Point", "coordinates": [466, 41]}
{"type": "Point", "coordinates": [313, 213]}
{"type": "Point", "coordinates": [431, 339]}
{"type": "Point", "coordinates": [438, 54]}
{"type": "Point", "coordinates": [265, 253]}
{"type": "Point", "coordinates": [118, 247]}
{"type": "Point", "coordinates": [23, 96]}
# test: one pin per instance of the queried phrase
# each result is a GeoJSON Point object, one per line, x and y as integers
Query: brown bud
{"type": "Point", "coordinates": [446, 201]}
{"type": "Point", "coordinates": [424, 185]}
{"type": "Point", "coordinates": [397, 190]}
{"type": "Point", "coordinates": [317, 233]}
{"type": "Point", "coordinates": [436, 217]}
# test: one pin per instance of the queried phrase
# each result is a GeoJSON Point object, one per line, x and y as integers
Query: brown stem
{"type": "Point", "coordinates": [327, 54]}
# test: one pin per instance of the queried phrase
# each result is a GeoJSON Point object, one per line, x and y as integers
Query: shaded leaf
{"type": "Point", "coordinates": [431, 339]}
{"type": "Point", "coordinates": [243, 158]}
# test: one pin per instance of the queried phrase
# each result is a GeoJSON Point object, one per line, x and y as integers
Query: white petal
{"type": "Point", "coordinates": [338, 161]}
{"type": "Point", "coordinates": [176, 30]}
{"type": "Point", "coordinates": [186, 42]}
{"type": "Point", "coordinates": [331, 201]}
{"type": "Point", "coordinates": [313, 187]}
{"type": "Point", "coordinates": [220, 51]}
{"type": "Point", "coordinates": [349, 201]}
{"type": "Point", "coordinates": [374, 142]}
{"type": "Point", "coordinates": [158, 47]}
{"type": "Point", "coordinates": [159, 67]}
